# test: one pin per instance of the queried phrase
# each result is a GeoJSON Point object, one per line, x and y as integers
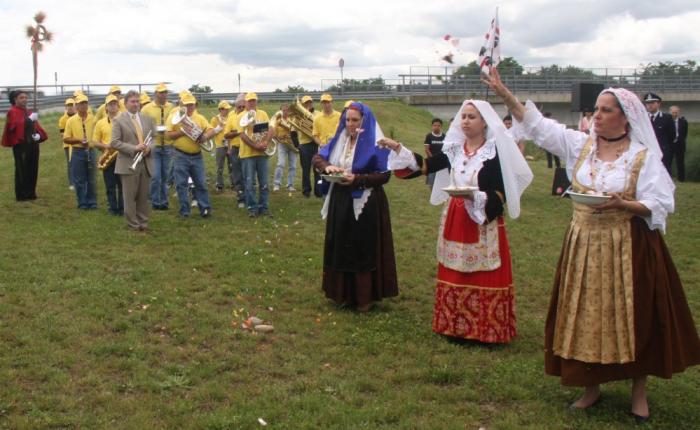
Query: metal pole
{"type": "Point", "coordinates": [239, 83]}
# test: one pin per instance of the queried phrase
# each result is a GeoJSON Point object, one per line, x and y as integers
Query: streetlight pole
{"type": "Point", "coordinates": [341, 64]}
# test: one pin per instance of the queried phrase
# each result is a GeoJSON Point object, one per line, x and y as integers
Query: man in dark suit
{"type": "Point", "coordinates": [130, 132]}
{"type": "Point", "coordinates": [680, 125]}
{"type": "Point", "coordinates": [663, 127]}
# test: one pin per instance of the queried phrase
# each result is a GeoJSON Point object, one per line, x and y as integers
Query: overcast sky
{"type": "Point", "coordinates": [273, 43]}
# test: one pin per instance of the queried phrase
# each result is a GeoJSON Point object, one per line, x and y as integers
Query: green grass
{"type": "Point", "coordinates": [104, 328]}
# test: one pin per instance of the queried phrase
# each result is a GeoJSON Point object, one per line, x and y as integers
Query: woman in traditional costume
{"type": "Point", "coordinates": [359, 267]}
{"type": "Point", "coordinates": [474, 296]}
{"type": "Point", "coordinates": [617, 310]}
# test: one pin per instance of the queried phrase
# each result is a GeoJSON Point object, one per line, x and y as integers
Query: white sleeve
{"type": "Point", "coordinates": [477, 208]}
{"type": "Point", "coordinates": [404, 159]}
{"type": "Point", "coordinates": [552, 136]}
{"type": "Point", "coordinates": [655, 191]}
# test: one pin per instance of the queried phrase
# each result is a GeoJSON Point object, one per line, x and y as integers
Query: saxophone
{"type": "Point", "coordinates": [108, 157]}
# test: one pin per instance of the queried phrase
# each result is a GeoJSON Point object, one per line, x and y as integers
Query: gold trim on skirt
{"type": "Point", "coordinates": [595, 309]}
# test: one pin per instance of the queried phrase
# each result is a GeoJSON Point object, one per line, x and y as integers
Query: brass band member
{"type": "Point", "coordinates": [116, 92]}
{"type": "Point", "coordinates": [254, 160]}
{"type": "Point", "coordinates": [131, 133]}
{"type": "Point", "coordinates": [232, 132]}
{"type": "Point", "coordinates": [188, 158]}
{"type": "Point", "coordinates": [307, 149]}
{"type": "Point", "coordinates": [285, 154]}
{"type": "Point", "coordinates": [78, 132]}
{"type": "Point", "coordinates": [144, 99]}
{"type": "Point", "coordinates": [162, 150]}
{"type": "Point", "coordinates": [101, 139]}
{"type": "Point", "coordinates": [326, 123]}
{"type": "Point", "coordinates": [222, 145]}
{"type": "Point", "coordinates": [69, 112]}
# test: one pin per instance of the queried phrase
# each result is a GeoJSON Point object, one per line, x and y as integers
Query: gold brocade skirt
{"type": "Point", "coordinates": [595, 306]}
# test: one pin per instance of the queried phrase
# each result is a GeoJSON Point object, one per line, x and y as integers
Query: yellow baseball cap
{"type": "Point", "coordinates": [188, 99]}
{"type": "Point", "coordinates": [69, 101]}
{"type": "Point", "coordinates": [76, 93]}
{"type": "Point", "coordinates": [144, 98]}
{"type": "Point", "coordinates": [114, 89]}
{"type": "Point", "coordinates": [326, 97]}
{"type": "Point", "coordinates": [111, 98]}
{"type": "Point", "coordinates": [161, 88]}
{"type": "Point", "coordinates": [306, 99]}
{"type": "Point", "coordinates": [251, 96]}
{"type": "Point", "coordinates": [348, 103]}
{"type": "Point", "coordinates": [80, 98]}
{"type": "Point", "coordinates": [224, 105]}
{"type": "Point", "coordinates": [183, 93]}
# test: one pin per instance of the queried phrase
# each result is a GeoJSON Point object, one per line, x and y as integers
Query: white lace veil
{"type": "Point", "coordinates": [641, 129]}
{"type": "Point", "coordinates": [516, 173]}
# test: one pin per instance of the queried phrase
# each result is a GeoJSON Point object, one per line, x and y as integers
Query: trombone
{"type": "Point", "coordinates": [139, 156]}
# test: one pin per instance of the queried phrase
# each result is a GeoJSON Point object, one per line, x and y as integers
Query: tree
{"type": "Point", "coordinates": [199, 89]}
{"type": "Point", "coordinates": [292, 89]}
{"type": "Point", "coordinates": [665, 68]}
{"type": "Point", "coordinates": [569, 71]}
{"type": "Point", "coordinates": [508, 66]}
{"type": "Point", "coordinates": [38, 34]}
{"type": "Point", "coordinates": [371, 84]}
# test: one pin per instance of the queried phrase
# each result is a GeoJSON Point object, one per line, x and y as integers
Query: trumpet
{"type": "Point", "coordinates": [191, 130]}
{"type": "Point", "coordinates": [139, 156]}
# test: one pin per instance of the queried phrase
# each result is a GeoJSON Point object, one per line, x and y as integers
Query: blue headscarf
{"type": "Point", "coordinates": [369, 158]}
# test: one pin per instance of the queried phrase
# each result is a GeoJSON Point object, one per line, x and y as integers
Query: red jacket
{"type": "Point", "coordinates": [14, 127]}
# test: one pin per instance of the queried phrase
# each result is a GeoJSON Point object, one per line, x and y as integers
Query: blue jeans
{"type": "Point", "coordinates": [237, 174]}
{"type": "Point", "coordinates": [82, 168]}
{"type": "Point", "coordinates": [162, 157]}
{"type": "Point", "coordinates": [255, 167]}
{"type": "Point", "coordinates": [190, 166]}
{"type": "Point", "coordinates": [285, 154]}
{"type": "Point", "coordinates": [70, 178]}
{"type": "Point", "coordinates": [115, 194]}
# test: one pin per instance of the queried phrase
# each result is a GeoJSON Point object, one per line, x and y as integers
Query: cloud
{"type": "Point", "coordinates": [279, 43]}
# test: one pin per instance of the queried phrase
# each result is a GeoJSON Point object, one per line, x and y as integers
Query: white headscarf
{"type": "Point", "coordinates": [641, 129]}
{"type": "Point", "coordinates": [514, 169]}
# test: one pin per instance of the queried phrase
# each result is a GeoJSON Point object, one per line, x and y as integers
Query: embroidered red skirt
{"type": "Point", "coordinates": [478, 305]}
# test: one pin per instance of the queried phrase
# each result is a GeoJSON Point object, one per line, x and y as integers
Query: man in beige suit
{"type": "Point", "coordinates": [130, 130]}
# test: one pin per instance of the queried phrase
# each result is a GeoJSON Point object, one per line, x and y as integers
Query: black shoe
{"type": "Point", "coordinates": [266, 214]}
{"type": "Point", "coordinates": [206, 213]}
{"type": "Point", "coordinates": [252, 214]}
{"type": "Point", "coordinates": [307, 194]}
{"type": "Point", "coordinates": [639, 419]}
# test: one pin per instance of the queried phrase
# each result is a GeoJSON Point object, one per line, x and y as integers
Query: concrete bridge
{"type": "Point", "coordinates": [558, 103]}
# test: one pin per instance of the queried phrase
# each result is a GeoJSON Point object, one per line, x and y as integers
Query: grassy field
{"type": "Point", "coordinates": [105, 328]}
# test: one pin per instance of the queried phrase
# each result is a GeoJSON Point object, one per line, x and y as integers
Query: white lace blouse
{"type": "Point", "coordinates": [604, 176]}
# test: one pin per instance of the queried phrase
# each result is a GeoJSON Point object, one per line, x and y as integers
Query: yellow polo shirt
{"type": "Point", "coordinates": [246, 151]}
{"type": "Point", "coordinates": [160, 115]}
{"type": "Point", "coordinates": [232, 125]}
{"type": "Point", "coordinates": [103, 131]}
{"type": "Point", "coordinates": [219, 137]}
{"type": "Point", "coordinates": [74, 128]}
{"type": "Point", "coordinates": [62, 126]}
{"type": "Point", "coordinates": [184, 143]}
{"type": "Point", "coordinates": [102, 112]}
{"type": "Point", "coordinates": [325, 126]}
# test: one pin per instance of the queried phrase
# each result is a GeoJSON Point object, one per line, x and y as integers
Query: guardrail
{"type": "Point", "coordinates": [438, 84]}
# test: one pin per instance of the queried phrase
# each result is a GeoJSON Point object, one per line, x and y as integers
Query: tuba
{"type": "Point", "coordinates": [192, 130]}
{"type": "Point", "coordinates": [301, 119]}
{"type": "Point", "coordinates": [279, 122]}
{"type": "Point", "coordinates": [108, 157]}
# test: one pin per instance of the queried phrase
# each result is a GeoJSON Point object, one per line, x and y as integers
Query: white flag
{"type": "Point", "coordinates": [490, 53]}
